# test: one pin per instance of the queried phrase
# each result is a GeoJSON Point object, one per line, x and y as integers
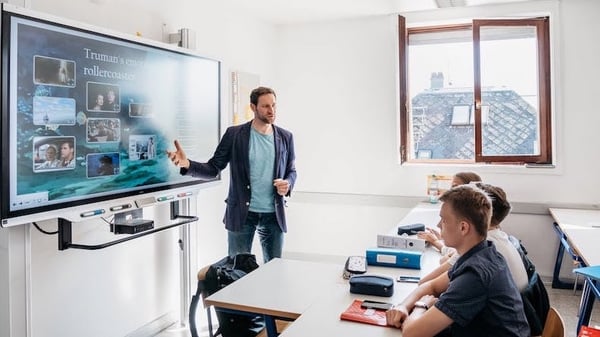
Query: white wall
{"type": "Point", "coordinates": [341, 100]}
{"type": "Point", "coordinates": [339, 82]}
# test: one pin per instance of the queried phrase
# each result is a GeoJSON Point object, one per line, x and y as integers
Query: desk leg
{"type": "Point", "coordinates": [587, 303]}
{"type": "Point", "coordinates": [563, 244]}
{"type": "Point", "coordinates": [270, 326]}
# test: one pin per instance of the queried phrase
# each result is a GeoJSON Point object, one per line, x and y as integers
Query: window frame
{"type": "Point", "coordinates": [544, 91]}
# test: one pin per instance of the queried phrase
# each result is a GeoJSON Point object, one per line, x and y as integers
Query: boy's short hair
{"type": "Point", "coordinates": [468, 177]}
{"type": "Point", "coordinates": [500, 206]}
{"type": "Point", "coordinates": [471, 203]}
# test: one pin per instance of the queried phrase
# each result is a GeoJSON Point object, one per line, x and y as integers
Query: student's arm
{"type": "Point", "coordinates": [435, 287]}
{"type": "Point", "coordinates": [423, 322]}
{"type": "Point", "coordinates": [441, 269]}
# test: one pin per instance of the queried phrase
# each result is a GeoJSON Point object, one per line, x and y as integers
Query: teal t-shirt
{"type": "Point", "coordinates": [262, 164]}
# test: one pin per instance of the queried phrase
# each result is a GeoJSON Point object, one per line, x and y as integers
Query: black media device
{"type": "Point", "coordinates": [133, 226]}
{"type": "Point", "coordinates": [411, 229]}
{"type": "Point", "coordinates": [376, 305]}
{"type": "Point", "coordinates": [131, 222]}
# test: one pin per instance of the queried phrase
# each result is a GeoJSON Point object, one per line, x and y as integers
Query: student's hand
{"type": "Point", "coordinates": [282, 186]}
{"type": "Point", "coordinates": [435, 232]}
{"type": "Point", "coordinates": [396, 315]}
{"type": "Point", "coordinates": [178, 156]}
{"type": "Point", "coordinates": [427, 235]}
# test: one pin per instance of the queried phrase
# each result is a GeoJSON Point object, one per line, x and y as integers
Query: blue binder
{"type": "Point", "coordinates": [389, 257]}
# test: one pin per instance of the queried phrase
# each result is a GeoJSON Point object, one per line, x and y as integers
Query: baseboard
{"type": "Point", "coordinates": [156, 326]}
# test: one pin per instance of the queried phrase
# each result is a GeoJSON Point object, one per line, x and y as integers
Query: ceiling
{"type": "Point", "coordinates": [298, 11]}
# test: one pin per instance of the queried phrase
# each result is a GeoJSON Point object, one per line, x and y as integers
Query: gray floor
{"type": "Point", "coordinates": [565, 301]}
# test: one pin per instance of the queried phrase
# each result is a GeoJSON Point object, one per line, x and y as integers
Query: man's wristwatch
{"type": "Point", "coordinates": [421, 304]}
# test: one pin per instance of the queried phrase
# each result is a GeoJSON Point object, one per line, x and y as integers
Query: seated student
{"type": "Point", "coordinates": [478, 296]}
{"type": "Point", "coordinates": [500, 209]}
{"type": "Point", "coordinates": [431, 235]}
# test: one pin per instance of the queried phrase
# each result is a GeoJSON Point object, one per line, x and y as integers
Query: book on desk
{"type": "Point", "coordinates": [356, 313]}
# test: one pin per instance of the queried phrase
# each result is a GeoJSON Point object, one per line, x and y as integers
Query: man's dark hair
{"type": "Point", "coordinates": [472, 204]}
{"type": "Point", "coordinates": [500, 206]}
{"type": "Point", "coordinates": [256, 93]}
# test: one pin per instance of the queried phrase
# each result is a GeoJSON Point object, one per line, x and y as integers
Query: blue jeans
{"type": "Point", "coordinates": [269, 232]}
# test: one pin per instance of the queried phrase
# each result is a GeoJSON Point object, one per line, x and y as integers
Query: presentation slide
{"type": "Point", "coordinates": [91, 116]}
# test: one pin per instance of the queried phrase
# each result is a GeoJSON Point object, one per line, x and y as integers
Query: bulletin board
{"type": "Point", "coordinates": [242, 84]}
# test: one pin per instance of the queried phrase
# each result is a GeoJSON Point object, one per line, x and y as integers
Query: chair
{"type": "Point", "coordinates": [555, 326]}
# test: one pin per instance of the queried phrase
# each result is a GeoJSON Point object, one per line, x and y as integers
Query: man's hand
{"type": "Point", "coordinates": [396, 315]}
{"type": "Point", "coordinates": [178, 156]}
{"type": "Point", "coordinates": [282, 186]}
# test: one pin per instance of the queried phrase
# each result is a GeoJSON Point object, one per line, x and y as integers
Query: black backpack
{"type": "Point", "coordinates": [536, 302]}
{"type": "Point", "coordinates": [219, 275]}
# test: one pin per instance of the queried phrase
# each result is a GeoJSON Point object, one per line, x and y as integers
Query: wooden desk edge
{"type": "Point", "coordinates": [252, 309]}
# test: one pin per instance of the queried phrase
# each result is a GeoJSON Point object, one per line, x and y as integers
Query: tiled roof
{"type": "Point", "coordinates": [510, 128]}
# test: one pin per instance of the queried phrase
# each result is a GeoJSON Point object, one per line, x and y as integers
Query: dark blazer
{"type": "Point", "coordinates": [233, 148]}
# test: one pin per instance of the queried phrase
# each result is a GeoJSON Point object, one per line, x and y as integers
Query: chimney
{"type": "Point", "coordinates": [437, 81]}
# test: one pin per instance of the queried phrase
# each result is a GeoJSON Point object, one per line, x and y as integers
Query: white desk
{"type": "Point", "coordinates": [323, 317]}
{"type": "Point", "coordinates": [579, 233]}
{"type": "Point", "coordinates": [280, 288]}
{"type": "Point", "coordinates": [582, 228]}
{"type": "Point", "coordinates": [315, 294]}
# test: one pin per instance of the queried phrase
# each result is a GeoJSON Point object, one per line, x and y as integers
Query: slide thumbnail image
{"type": "Point", "coordinates": [53, 110]}
{"type": "Point", "coordinates": [53, 71]}
{"type": "Point", "coordinates": [53, 153]}
{"type": "Point", "coordinates": [103, 97]}
{"type": "Point", "coordinates": [101, 130]}
{"type": "Point", "coordinates": [141, 110]}
{"type": "Point", "coordinates": [142, 147]}
{"type": "Point", "coordinates": [103, 164]}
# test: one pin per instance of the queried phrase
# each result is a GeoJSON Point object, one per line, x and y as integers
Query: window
{"type": "Point", "coordinates": [460, 115]}
{"type": "Point", "coordinates": [476, 92]}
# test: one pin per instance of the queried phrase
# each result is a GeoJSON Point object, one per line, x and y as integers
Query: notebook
{"type": "Point", "coordinates": [363, 315]}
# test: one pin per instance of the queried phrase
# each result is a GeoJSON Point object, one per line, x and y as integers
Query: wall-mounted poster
{"type": "Point", "coordinates": [241, 85]}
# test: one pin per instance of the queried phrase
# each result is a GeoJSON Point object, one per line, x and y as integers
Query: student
{"type": "Point", "coordinates": [431, 235]}
{"type": "Point", "coordinates": [477, 297]}
{"type": "Point", "coordinates": [262, 172]}
{"type": "Point", "coordinates": [462, 178]}
{"type": "Point", "coordinates": [500, 209]}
